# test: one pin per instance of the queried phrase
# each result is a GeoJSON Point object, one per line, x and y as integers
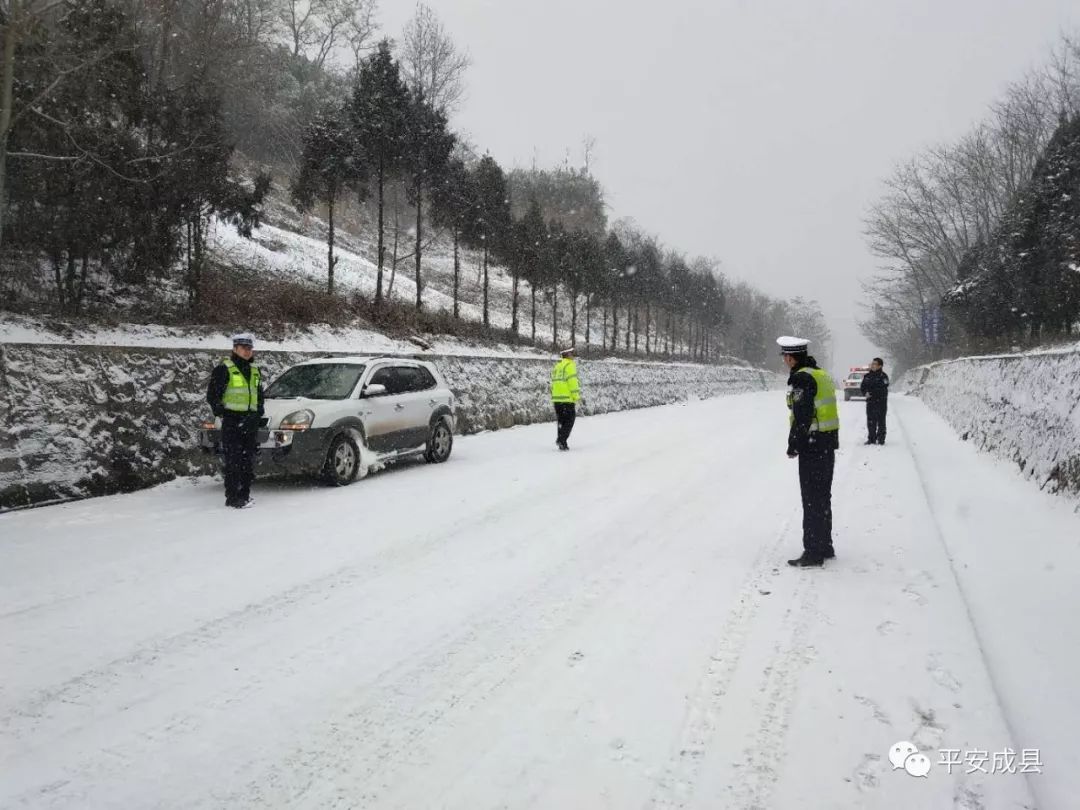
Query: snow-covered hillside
{"type": "Point", "coordinates": [296, 248]}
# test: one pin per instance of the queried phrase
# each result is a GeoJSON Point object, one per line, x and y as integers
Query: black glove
{"type": "Point", "coordinates": [264, 421]}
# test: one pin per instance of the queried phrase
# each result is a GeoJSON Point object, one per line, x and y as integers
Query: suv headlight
{"type": "Point", "coordinates": [298, 420]}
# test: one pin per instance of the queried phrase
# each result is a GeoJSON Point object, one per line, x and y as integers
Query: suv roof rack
{"type": "Point", "coordinates": [417, 357]}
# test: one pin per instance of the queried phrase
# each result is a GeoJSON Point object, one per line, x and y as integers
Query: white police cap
{"type": "Point", "coordinates": [243, 339]}
{"type": "Point", "coordinates": [792, 345]}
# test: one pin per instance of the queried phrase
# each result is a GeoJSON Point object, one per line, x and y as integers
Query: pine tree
{"type": "Point", "coordinates": [616, 260]}
{"type": "Point", "coordinates": [491, 222]}
{"type": "Point", "coordinates": [531, 239]}
{"type": "Point", "coordinates": [378, 113]}
{"type": "Point", "coordinates": [553, 271]}
{"type": "Point", "coordinates": [1023, 282]}
{"type": "Point", "coordinates": [427, 154]}
{"type": "Point", "coordinates": [454, 207]}
{"type": "Point", "coordinates": [328, 166]}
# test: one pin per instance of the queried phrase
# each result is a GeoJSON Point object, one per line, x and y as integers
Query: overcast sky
{"type": "Point", "coordinates": [756, 131]}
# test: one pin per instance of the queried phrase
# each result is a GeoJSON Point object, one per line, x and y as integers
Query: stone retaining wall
{"type": "Point", "coordinates": [91, 420]}
{"type": "Point", "coordinates": [1024, 408]}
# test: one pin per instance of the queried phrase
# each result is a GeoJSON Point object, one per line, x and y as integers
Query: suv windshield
{"type": "Point", "coordinates": [317, 381]}
{"type": "Point", "coordinates": [855, 377]}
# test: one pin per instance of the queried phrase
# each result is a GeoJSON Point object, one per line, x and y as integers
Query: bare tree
{"type": "Point", "coordinates": [588, 148]}
{"type": "Point", "coordinates": [255, 19]}
{"type": "Point", "coordinates": [946, 201]}
{"type": "Point", "coordinates": [360, 29]}
{"type": "Point", "coordinates": [430, 61]}
{"type": "Point", "coordinates": [315, 28]}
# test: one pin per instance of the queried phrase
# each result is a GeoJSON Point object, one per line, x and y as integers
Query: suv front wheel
{"type": "Point", "coordinates": [440, 443]}
{"type": "Point", "coordinates": [342, 461]}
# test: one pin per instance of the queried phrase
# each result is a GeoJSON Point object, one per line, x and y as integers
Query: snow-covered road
{"type": "Point", "coordinates": [609, 628]}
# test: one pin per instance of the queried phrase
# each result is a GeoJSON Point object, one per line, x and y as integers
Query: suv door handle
{"type": "Point", "coordinates": [400, 406]}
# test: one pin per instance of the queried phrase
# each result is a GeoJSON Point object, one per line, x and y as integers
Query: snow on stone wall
{"type": "Point", "coordinates": [1024, 408]}
{"type": "Point", "coordinates": [89, 420]}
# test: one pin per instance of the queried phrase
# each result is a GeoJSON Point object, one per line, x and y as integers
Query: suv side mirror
{"type": "Point", "coordinates": [374, 390]}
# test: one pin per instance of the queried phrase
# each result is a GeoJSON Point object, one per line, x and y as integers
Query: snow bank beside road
{"type": "Point", "coordinates": [88, 420]}
{"type": "Point", "coordinates": [316, 338]}
{"type": "Point", "coordinates": [1024, 408]}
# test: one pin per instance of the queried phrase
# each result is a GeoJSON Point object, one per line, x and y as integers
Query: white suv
{"type": "Point", "coordinates": [321, 414]}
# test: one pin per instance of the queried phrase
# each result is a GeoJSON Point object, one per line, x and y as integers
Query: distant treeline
{"type": "Point", "coordinates": [981, 237]}
{"type": "Point", "coordinates": [123, 123]}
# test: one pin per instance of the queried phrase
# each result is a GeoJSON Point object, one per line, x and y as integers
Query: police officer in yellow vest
{"type": "Point", "coordinates": [565, 394]}
{"type": "Point", "coordinates": [235, 394]}
{"type": "Point", "coordinates": [813, 438]}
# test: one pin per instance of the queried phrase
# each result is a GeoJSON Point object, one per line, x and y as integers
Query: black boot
{"type": "Point", "coordinates": [807, 561]}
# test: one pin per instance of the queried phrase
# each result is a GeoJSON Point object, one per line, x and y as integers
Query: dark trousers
{"type": "Point", "coordinates": [239, 443]}
{"type": "Point", "coordinates": [875, 420]}
{"type": "Point", "coordinates": [566, 413]}
{"type": "Point", "coordinates": [815, 481]}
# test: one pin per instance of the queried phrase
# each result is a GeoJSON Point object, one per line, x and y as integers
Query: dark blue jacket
{"type": "Point", "coordinates": [875, 385]}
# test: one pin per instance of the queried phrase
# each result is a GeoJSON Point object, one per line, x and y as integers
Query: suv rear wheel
{"type": "Point", "coordinates": [440, 443]}
{"type": "Point", "coordinates": [342, 461]}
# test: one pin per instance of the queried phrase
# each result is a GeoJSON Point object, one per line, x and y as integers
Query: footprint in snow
{"type": "Point", "coordinates": [913, 592]}
{"type": "Point", "coordinates": [875, 709]}
{"type": "Point", "coordinates": [868, 775]}
{"type": "Point", "coordinates": [941, 675]}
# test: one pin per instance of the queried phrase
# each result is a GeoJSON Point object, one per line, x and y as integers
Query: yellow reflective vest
{"type": "Point", "coordinates": [241, 396]}
{"type": "Point", "coordinates": [826, 411]}
{"type": "Point", "coordinates": [564, 382]}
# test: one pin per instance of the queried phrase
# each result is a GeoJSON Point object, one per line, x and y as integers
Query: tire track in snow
{"type": "Point", "coordinates": [778, 683]}
{"type": "Point", "coordinates": [458, 671]}
{"type": "Point", "coordinates": [23, 719]}
{"type": "Point", "coordinates": [462, 672]}
{"type": "Point", "coordinates": [779, 690]}
{"type": "Point", "coordinates": [758, 775]}
{"type": "Point", "coordinates": [967, 798]}
{"type": "Point", "coordinates": [675, 787]}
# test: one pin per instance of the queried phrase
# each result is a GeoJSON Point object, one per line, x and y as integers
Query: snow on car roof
{"type": "Point", "coordinates": [357, 360]}
{"type": "Point", "coordinates": [349, 359]}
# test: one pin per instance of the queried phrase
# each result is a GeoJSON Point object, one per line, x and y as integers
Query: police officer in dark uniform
{"type": "Point", "coordinates": [235, 394]}
{"type": "Point", "coordinates": [813, 439]}
{"type": "Point", "coordinates": [875, 387]}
